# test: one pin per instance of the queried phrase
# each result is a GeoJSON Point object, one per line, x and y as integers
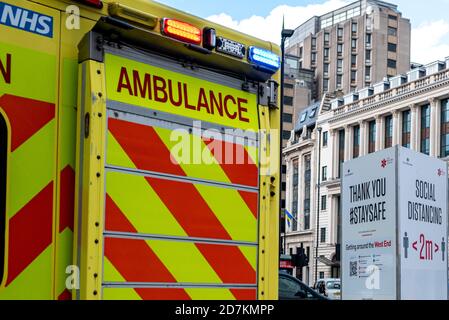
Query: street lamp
{"type": "Point", "coordinates": [285, 34]}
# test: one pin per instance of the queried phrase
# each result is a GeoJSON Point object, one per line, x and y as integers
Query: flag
{"type": "Point", "coordinates": [289, 217]}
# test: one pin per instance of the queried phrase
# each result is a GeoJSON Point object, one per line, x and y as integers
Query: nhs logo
{"type": "Point", "coordinates": [26, 20]}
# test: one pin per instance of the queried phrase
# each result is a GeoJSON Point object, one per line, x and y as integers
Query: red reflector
{"type": "Point", "coordinates": [182, 31]}
{"type": "Point", "coordinates": [93, 3]}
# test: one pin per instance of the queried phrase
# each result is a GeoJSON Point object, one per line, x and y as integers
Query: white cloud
{"type": "Point", "coordinates": [269, 28]}
{"type": "Point", "coordinates": [430, 41]}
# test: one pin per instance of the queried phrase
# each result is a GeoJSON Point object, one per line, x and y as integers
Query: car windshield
{"type": "Point", "coordinates": [333, 284]}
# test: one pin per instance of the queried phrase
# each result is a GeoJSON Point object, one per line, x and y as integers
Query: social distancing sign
{"type": "Point", "coordinates": [394, 227]}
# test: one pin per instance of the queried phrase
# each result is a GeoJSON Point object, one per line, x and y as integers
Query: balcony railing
{"type": "Point", "coordinates": [406, 88]}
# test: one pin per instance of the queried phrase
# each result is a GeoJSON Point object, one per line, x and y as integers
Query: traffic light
{"type": "Point", "coordinates": [300, 259]}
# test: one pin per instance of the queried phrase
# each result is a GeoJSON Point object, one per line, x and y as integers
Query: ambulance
{"type": "Point", "coordinates": [139, 154]}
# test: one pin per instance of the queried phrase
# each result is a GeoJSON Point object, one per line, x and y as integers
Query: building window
{"type": "Point", "coordinates": [354, 45]}
{"type": "Point", "coordinates": [391, 17]}
{"type": "Point", "coordinates": [321, 275]}
{"type": "Point", "coordinates": [326, 85]}
{"type": "Point", "coordinates": [313, 58]}
{"type": "Point", "coordinates": [341, 151]}
{"type": "Point", "coordinates": [284, 169]}
{"type": "Point", "coordinates": [392, 31]}
{"type": "Point", "coordinates": [323, 235]}
{"type": "Point", "coordinates": [354, 29]}
{"type": "Point", "coordinates": [367, 73]}
{"type": "Point", "coordinates": [288, 100]}
{"type": "Point", "coordinates": [340, 66]}
{"type": "Point", "coordinates": [324, 174]}
{"type": "Point", "coordinates": [353, 61]}
{"type": "Point", "coordinates": [326, 54]}
{"type": "Point", "coordinates": [339, 81]}
{"type": "Point", "coordinates": [356, 142]}
{"type": "Point", "coordinates": [425, 129]}
{"type": "Point", "coordinates": [392, 64]}
{"type": "Point", "coordinates": [295, 194]}
{"type": "Point", "coordinates": [444, 128]}
{"type": "Point", "coordinates": [372, 137]}
{"type": "Point", "coordinates": [286, 135]}
{"type": "Point", "coordinates": [406, 128]}
{"type": "Point", "coordinates": [353, 76]}
{"type": "Point", "coordinates": [307, 190]}
{"type": "Point", "coordinates": [326, 69]}
{"type": "Point", "coordinates": [392, 47]}
{"type": "Point", "coordinates": [368, 40]}
{"type": "Point", "coordinates": [326, 39]}
{"type": "Point", "coordinates": [323, 203]}
{"type": "Point", "coordinates": [388, 132]}
{"type": "Point", "coordinates": [325, 138]}
{"type": "Point", "coordinates": [3, 172]}
{"type": "Point", "coordinates": [301, 52]}
{"type": "Point", "coordinates": [313, 43]}
{"type": "Point", "coordinates": [368, 56]}
{"type": "Point", "coordinates": [340, 49]}
{"type": "Point", "coordinates": [340, 34]}
{"type": "Point", "coordinates": [288, 117]}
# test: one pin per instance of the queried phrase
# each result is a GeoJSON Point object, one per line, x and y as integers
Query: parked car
{"type": "Point", "coordinates": [291, 288]}
{"type": "Point", "coordinates": [330, 288]}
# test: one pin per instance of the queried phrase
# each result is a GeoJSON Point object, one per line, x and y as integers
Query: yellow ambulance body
{"type": "Point", "coordinates": [121, 127]}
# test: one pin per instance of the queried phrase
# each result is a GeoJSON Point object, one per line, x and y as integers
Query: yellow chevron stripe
{"type": "Point", "coordinates": [227, 204]}
{"type": "Point", "coordinates": [141, 205]}
{"type": "Point", "coordinates": [250, 254]}
{"type": "Point", "coordinates": [63, 259]}
{"type": "Point", "coordinates": [115, 154]}
{"type": "Point", "coordinates": [231, 211]}
{"type": "Point", "coordinates": [209, 171]}
{"type": "Point", "coordinates": [210, 294]}
{"type": "Point", "coordinates": [31, 168]}
{"type": "Point", "coordinates": [184, 261]}
{"type": "Point", "coordinates": [110, 272]}
{"type": "Point", "coordinates": [33, 283]}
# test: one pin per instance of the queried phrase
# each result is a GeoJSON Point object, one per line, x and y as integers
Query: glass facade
{"type": "Point", "coordinates": [295, 195]}
{"type": "Point", "coordinates": [444, 129]}
{"type": "Point", "coordinates": [425, 129]}
{"type": "Point", "coordinates": [356, 143]}
{"type": "Point", "coordinates": [406, 128]}
{"type": "Point", "coordinates": [372, 137]}
{"type": "Point", "coordinates": [307, 190]}
{"type": "Point", "coordinates": [388, 132]}
{"type": "Point", "coordinates": [341, 151]}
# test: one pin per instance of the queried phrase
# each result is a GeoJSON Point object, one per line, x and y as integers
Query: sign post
{"type": "Point", "coordinates": [394, 227]}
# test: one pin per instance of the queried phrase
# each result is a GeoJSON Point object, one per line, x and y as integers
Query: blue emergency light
{"type": "Point", "coordinates": [264, 59]}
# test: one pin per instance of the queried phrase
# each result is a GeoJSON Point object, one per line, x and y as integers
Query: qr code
{"type": "Point", "coordinates": [353, 272]}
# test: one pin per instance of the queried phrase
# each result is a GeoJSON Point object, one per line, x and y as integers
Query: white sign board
{"type": "Point", "coordinates": [394, 227]}
{"type": "Point", "coordinates": [369, 227]}
{"type": "Point", "coordinates": [422, 226]}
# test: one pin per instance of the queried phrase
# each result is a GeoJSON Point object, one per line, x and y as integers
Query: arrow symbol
{"type": "Point", "coordinates": [414, 245]}
{"type": "Point", "coordinates": [437, 248]}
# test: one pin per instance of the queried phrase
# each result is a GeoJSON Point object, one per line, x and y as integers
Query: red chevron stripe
{"type": "Point", "coordinates": [189, 209]}
{"type": "Point", "coordinates": [162, 294]}
{"type": "Point", "coordinates": [229, 263]}
{"type": "Point", "coordinates": [182, 199]}
{"type": "Point", "coordinates": [65, 295]}
{"type": "Point", "coordinates": [245, 294]}
{"type": "Point", "coordinates": [30, 232]}
{"type": "Point", "coordinates": [26, 117]}
{"type": "Point", "coordinates": [252, 201]}
{"type": "Point", "coordinates": [135, 260]}
{"type": "Point", "coordinates": [67, 199]}
{"type": "Point", "coordinates": [245, 173]}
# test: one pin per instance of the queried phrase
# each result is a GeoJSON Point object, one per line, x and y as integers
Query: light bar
{"type": "Point", "coordinates": [264, 59]}
{"type": "Point", "coordinates": [182, 31]}
{"type": "Point", "coordinates": [131, 14]}
{"type": "Point", "coordinates": [231, 47]}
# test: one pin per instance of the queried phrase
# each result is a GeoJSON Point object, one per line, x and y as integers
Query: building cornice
{"type": "Point", "coordinates": [407, 91]}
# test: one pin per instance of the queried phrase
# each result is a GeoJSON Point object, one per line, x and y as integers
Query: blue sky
{"type": "Point", "coordinates": [262, 18]}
